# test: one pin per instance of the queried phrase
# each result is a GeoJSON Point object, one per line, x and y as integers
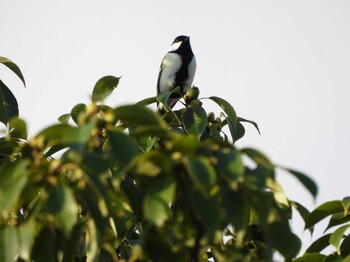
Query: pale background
{"type": "Point", "coordinates": [284, 64]}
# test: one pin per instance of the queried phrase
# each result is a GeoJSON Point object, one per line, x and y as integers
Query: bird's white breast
{"type": "Point", "coordinates": [170, 65]}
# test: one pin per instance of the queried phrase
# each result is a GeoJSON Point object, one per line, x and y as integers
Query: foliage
{"type": "Point", "coordinates": [126, 184]}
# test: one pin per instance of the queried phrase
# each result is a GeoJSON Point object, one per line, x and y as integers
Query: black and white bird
{"type": "Point", "coordinates": [178, 68]}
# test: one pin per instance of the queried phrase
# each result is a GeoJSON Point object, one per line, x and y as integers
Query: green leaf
{"type": "Point", "coordinates": [311, 257]}
{"type": "Point", "coordinates": [147, 101]}
{"type": "Point", "coordinates": [230, 165]}
{"type": "Point", "coordinates": [8, 104]}
{"type": "Point", "coordinates": [13, 67]}
{"type": "Point", "coordinates": [258, 157]}
{"type": "Point", "coordinates": [137, 115]}
{"type": "Point", "coordinates": [18, 128]}
{"type": "Point", "coordinates": [9, 244]}
{"type": "Point", "coordinates": [78, 137]}
{"type": "Point", "coordinates": [208, 210]}
{"type": "Point", "coordinates": [303, 212]}
{"type": "Point", "coordinates": [337, 236]}
{"type": "Point", "coordinates": [165, 96]}
{"type": "Point", "coordinates": [240, 119]}
{"type": "Point", "coordinates": [62, 204]}
{"type": "Point", "coordinates": [26, 236]}
{"type": "Point", "coordinates": [287, 243]}
{"type": "Point", "coordinates": [306, 181]}
{"type": "Point", "coordinates": [104, 87]}
{"type": "Point", "coordinates": [157, 200]}
{"type": "Point", "coordinates": [63, 119]}
{"type": "Point", "coordinates": [337, 219]}
{"type": "Point", "coordinates": [202, 173]}
{"type": "Point", "coordinates": [195, 121]}
{"type": "Point", "coordinates": [322, 211]}
{"type": "Point", "coordinates": [318, 245]}
{"type": "Point", "coordinates": [13, 179]}
{"type": "Point", "coordinates": [77, 109]}
{"type": "Point", "coordinates": [228, 109]}
{"type": "Point", "coordinates": [123, 147]}
{"type": "Point", "coordinates": [346, 205]}
{"type": "Point", "coordinates": [54, 134]}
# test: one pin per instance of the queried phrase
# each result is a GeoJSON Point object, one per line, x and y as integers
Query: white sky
{"type": "Point", "coordinates": [284, 64]}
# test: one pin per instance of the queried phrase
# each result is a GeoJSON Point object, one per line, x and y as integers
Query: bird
{"type": "Point", "coordinates": [177, 68]}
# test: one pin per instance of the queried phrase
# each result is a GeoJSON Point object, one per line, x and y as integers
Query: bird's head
{"type": "Point", "coordinates": [179, 41]}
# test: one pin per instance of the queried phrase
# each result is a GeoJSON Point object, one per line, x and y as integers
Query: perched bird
{"type": "Point", "coordinates": [177, 69]}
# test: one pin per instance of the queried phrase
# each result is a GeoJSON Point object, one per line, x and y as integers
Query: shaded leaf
{"type": "Point", "coordinates": [306, 181]}
{"type": "Point", "coordinates": [258, 157]}
{"type": "Point", "coordinates": [13, 67]}
{"type": "Point", "coordinates": [8, 104]}
{"type": "Point", "coordinates": [311, 257]}
{"type": "Point", "coordinates": [13, 179]}
{"type": "Point", "coordinates": [147, 101]}
{"type": "Point", "coordinates": [318, 245]}
{"type": "Point", "coordinates": [62, 204]}
{"type": "Point", "coordinates": [18, 128]}
{"type": "Point", "coordinates": [157, 200]}
{"type": "Point", "coordinates": [323, 211]}
{"type": "Point", "coordinates": [303, 212]}
{"type": "Point", "coordinates": [77, 109]}
{"type": "Point", "coordinates": [337, 219]}
{"type": "Point", "coordinates": [202, 173]}
{"type": "Point", "coordinates": [228, 109]}
{"type": "Point", "coordinates": [123, 147]}
{"type": "Point", "coordinates": [138, 116]}
{"type": "Point", "coordinates": [104, 87]}
{"type": "Point", "coordinates": [230, 165]}
{"type": "Point", "coordinates": [195, 121]}
{"type": "Point", "coordinates": [240, 119]}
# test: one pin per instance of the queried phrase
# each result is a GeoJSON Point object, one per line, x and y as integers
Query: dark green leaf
{"type": "Point", "coordinates": [13, 67]}
{"type": "Point", "coordinates": [157, 200]}
{"type": "Point", "coordinates": [54, 134]}
{"type": "Point", "coordinates": [230, 165]}
{"type": "Point", "coordinates": [311, 257]}
{"type": "Point", "coordinates": [78, 137]}
{"type": "Point", "coordinates": [303, 212]}
{"type": "Point", "coordinates": [337, 219]}
{"type": "Point", "coordinates": [104, 87]}
{"type": "Point", "coordinates": [138, 116]}
{"type": "Point", "coordinates": [18, 128]}
{"type": "Point", "coordinates": [228, 109]}
{"type": "Point", "coordinates": [287, 243]}
{"type": "Point", "coordinates": [164, 97]}
{"type": "Point", "coordinates": [13, 179]}
{"type": "Point", "coordinates": [258, 157]}
{"type": "Point", "coordinates": [240, 119]}
{"type": "Point", "coordinates": [63, 206]}
{"type": "Point", "coordinates": [323, 211]}
{"type": "Point", "coordinates": [8, 104]}
{"type": "Point", "coordinates": [202, 173]}
{"type": "Point", "coordinates": [123, 147]}
{"type": "Point", "coordinates": [147, 101]}
{"type": "Point", "coordinates": [318, 245]}
{"type": "Point", "coordinates": [306, 181]}
{"type": "Point", "coordinates": [337, 236]}
{"type": "Point", "coordinates": [195, 121]}
{"type": "Point", "coordinates": [77, 109]}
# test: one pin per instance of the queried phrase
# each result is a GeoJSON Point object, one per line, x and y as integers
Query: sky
{"type": "Point", "coordinates": [283, 64]}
